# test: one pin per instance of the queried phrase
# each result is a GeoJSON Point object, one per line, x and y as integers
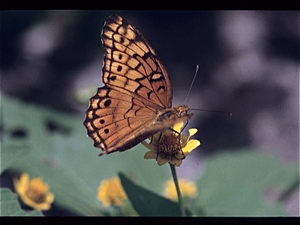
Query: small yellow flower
{"type": "Point", "coordinates": [111, 192]}
{"type": "Point", "coordinates": [34, 193]}
{"type": "Point", "coordinates": [166, 146]}
{"type": "Point", "coordinates": [187, 188]}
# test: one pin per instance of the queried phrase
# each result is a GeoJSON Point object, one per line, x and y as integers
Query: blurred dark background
{"type": "Point", "coordinates": [249, 65]}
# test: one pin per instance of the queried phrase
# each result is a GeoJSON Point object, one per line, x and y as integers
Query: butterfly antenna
{"type": "Point", "coordinates": [214, 111]}
{"type": "Point", "coordinates": [197, 68]}
{"type": "Point", "coordinates": [204, 110]}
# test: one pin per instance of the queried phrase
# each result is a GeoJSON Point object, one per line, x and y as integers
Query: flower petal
{"type": "Point", "coordinates": [179, 155]}
{"type": "Point", "coordinates": [154, 139]}
{"type": "Point", "coordinates": [184, 140]}
{"type": "Point", "coordinates": [22, 184]}
{"type": "Point", "coordinates": [193, 131]}
{"type": "Point", "coordinates": [178, 126]}
{"type": "Point", "coordinates": [111, 192]}
{"type": "Point", "coordinates": [149, 146]}
{"type": "Point", "coordinates": [175, 161]}
{"type": "Point", "coordinates": [188, 189]}
{"type": "Point", "coordinates": [191, 145]}
{"type": "Point", "coordinates": [50, 198]}
{"type": "Point", "coordinates": [150, 155]}
{"type": "Point", "coordinates": [162, 161]}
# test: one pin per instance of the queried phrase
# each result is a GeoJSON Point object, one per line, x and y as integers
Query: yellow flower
{"type": "Point", "coordinates": [111, 192]}
{"type": "Point", "coordinates": [166, 146]}
{"type": "Point", "coordinates": [34, 193]}
{"type": "Point", "coordinates": [187, 188]}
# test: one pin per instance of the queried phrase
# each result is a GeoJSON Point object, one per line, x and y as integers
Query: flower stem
{"type": "Point", "coordinates": [174, 175]}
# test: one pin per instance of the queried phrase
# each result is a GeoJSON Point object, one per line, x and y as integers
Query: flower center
{"type": "Point", "coordinates": [170, 144]}
{"type": "Point", "coordinates": [36, 192]}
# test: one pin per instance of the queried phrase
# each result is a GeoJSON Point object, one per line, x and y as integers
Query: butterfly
{"type": "Point", "coordinates": [136, 101]}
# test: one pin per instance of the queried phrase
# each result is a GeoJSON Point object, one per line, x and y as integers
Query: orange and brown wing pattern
{"type": "Point", "coordinates": [136, 100]}
{"type": "Point", "coordinates": [131, 64]}
{"type": "Point", "coordinates": [113, 118]}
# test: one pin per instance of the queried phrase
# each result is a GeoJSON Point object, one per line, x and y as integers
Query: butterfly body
{"type": "Point", "coordinates": [136, 101]}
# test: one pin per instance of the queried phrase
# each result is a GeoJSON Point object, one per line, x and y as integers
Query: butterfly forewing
{"type": "Point", "coordinates": [136, 100]}
{"type": "Point", "coordinates": [131, 65]}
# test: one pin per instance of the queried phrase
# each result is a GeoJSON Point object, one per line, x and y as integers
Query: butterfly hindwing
{"type": "Point", "coordinates": [111, 117]}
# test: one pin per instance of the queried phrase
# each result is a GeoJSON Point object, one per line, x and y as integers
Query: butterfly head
{"type": "Point", "coordinates": [181, 110]}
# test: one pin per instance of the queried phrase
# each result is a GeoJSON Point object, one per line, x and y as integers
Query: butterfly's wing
{"type": "Point", "coordinates": [137, 91]}
{"type": "Point", "coordinates": [118, 121]}
{"type": "Point", "coordinates": [132, 66]}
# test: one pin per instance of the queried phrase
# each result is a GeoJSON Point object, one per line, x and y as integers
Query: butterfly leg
{"type": "Point", "coordinates": [158, 145]}
{"type": "Point", "coordinates": [187, 122]}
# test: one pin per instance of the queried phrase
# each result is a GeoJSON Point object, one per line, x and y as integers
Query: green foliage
{"type": "Point", "coordinates": [10, 206]}
{"type": "Point", "coordinates": [236, 184]}
{"type": "Point", "coordinates": [54, 146]}
{"type": "Point", "coordinates": [147, 203]}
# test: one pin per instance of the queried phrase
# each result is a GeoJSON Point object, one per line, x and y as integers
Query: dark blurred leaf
{"type": "Point", "coordinates": [147, 203]}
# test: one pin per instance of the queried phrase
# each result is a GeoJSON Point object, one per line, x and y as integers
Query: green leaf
{"type": "Point", "coordinates": [55, 147]}
{"type": "Point", "coordinates": [147, 203]}
{"type": "Point", "coordinates": [10, 206]}
{"type": "Point", "coordinates": [236, 184]}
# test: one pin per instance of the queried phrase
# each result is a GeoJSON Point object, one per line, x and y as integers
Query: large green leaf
{"type": "Point", "coordinates": [55, 146]}
{"type": "Point", "coordinates": [10, 206]}
{"type": "Point", "coordinates": [147, 203]}
{"type": "Point", "coordinates": [236, 184]}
